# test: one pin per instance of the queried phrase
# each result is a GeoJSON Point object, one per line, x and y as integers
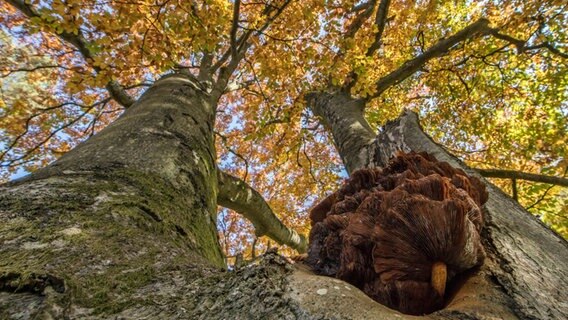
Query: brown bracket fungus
{"type": "Point", "coordinates": [402, 232]}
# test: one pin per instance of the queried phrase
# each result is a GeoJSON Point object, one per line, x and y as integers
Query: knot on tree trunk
{"type": "Point", "coordinates": [400, 233]}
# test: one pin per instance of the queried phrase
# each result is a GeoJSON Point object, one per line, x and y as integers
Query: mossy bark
{"type": "Point", "coordinates": [123, 227]}
{"type": "Point", "coordinates": [119, 212]}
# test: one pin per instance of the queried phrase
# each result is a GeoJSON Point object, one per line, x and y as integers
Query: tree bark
{"type": "Point", "coordinates": [121, 210]}
{"type": "Point", "coordinates": [527, 262]}
{"type": "Point", "coordinates": [343, 116]}
{"type": "Point", "coordinates": [235, 194]}
{"type": "Point", "coordinates": [123, 226]}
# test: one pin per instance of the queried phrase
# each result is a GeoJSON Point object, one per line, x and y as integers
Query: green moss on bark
{"type": "Point", "coordinates": [106, 237]}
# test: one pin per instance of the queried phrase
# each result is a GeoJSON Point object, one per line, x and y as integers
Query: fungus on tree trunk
{"type": "Point", "coordinates": [401, 232]}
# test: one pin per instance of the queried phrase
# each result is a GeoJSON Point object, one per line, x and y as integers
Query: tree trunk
{"type": "Point", "coordinates": [343, 117]}
{"type": "Point", "coordinates": [527, 268]}
{"type": "Point", "coordinates": [527, 260]}
{"type": "Point", "coordinates": [117, 213]}
{"type": "Point", "coordinates": [123, 226]}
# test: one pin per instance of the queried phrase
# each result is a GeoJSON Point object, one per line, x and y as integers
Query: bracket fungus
{"type": "Point", "coordinates": [400, 233]}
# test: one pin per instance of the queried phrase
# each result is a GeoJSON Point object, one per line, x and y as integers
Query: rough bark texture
{"type": "Point", "coordinates": [90, 232]}
{"type": "Point", "coordinates": [124, 227]}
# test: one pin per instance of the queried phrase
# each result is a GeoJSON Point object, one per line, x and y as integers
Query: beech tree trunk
{"type": "Point", "coordinates": [526, 273]}
{"type": "Point", "coordinates": [123, 227]}
{"type": "Point", "coordinates": [130, 206]}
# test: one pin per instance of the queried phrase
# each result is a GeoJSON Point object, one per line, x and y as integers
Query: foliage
{"type": "Point", "coordinates": [489, 100]}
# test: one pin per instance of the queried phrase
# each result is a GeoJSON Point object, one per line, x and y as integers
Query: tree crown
{"type": "Point", "coordinates": [488, 78]}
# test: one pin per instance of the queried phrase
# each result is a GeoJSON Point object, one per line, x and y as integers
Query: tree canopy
{"type": "Point", "coordinates": [488, 78]}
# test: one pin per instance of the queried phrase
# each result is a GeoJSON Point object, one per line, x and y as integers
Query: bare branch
{"type": "Point", "coordinates": [480, 27]}
{"type": "Point", "coordinates": [237, 195]}
{"type": "Point", "coordinates": [541, 198]}
{"type": "Point", "coordinates": [241, 43]}
{"type": "Point", "coordinates": [235, 153]}
{"type": "Point", "coordinates": [116, 91]}
{"type": "Point", "coordinates": [519, 175]}
{"type": "Point", "coordinates": [380, 22]}
{"type": "Point", "coordinates": [441, 47]}
{"type": "Point", "coordinates": [550, 48]}
{"type": "Point", "coordinates": [6, 73]}
{"type": "Point", "coordinates": [544, 194]}
{"type": "Point", "coordinates": [18, 160]}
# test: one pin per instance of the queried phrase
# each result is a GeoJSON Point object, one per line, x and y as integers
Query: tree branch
{"type": "Point", "coordinates": [360, 19]}
{"type": "Point", "coordinates": [512, 174]}
{"type": "Point", "coordinates": [352, 29]}
{"type": "Point", "coordinates": [7, 72]}
{"type": "Point", "coordinates": [522, 44]}
{"type": "Point", "coordinates": [115, 90]}
{"type": "Point", "coordinates": [380, 22]}
{"type": "Point", "coordinates": [242, 44]}
{"type": "Point", "coordinates": [343, 116]}
{"type": "Point", "coordinates": [550, 48]}
{"type": "Point", "coordinates": [18, 159]}
{"type": "Point", "coordinates": [237, 195]}
{"type": "Point", "coordinates": [362, 6]}
{"type": "Point", "coordinates": [542, 197]}
{"type": "Point", "coordinates": [480, 27]}
{"type": "Point", "coordinates": [234, 27]}
{"type": "Point", "coordinates": [205, 67]}
{"type": "Point", "coordinates": [440, 48]}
